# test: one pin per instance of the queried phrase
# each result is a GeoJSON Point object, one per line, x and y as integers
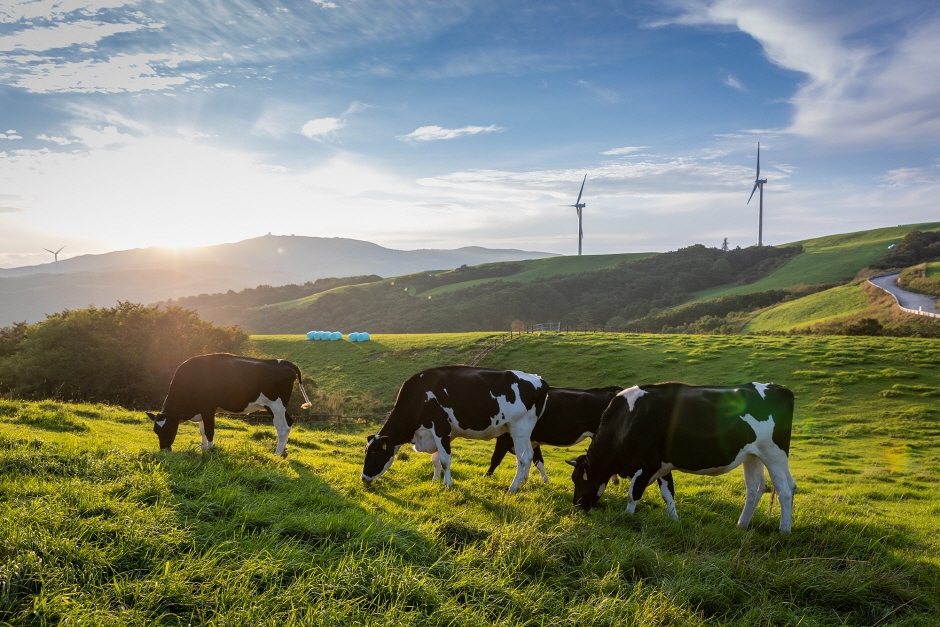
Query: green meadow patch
{"type": "Point", "coordinates": [97, 527]}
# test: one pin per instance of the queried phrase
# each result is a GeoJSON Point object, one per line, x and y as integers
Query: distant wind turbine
{"type": "Point", "coordinates": [56, 253]}
{"type": "Point", "coordinates": [759, 183]}
{"type": "Point", "coordinates": [578, 205]}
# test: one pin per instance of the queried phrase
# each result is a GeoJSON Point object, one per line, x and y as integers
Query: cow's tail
{"type": "Point", "coordinates": [773, 497]}
{"type": "Point", "coordinates": [300, 384]}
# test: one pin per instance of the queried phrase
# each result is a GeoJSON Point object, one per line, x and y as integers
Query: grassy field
{"type": "Point", "coordinates": [99, 528]}
{"type": "Point", "coordinates": [833, 303]}
{"type": "Point", "coordinates": [827, 259]}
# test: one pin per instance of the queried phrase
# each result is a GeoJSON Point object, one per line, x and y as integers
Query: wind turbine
{"type": "Point", "coordinates": [759, 183]}
{"type": "Point", "coordinates": [578, 205]}
{"type": "Point", "coordinates": [56, 253]}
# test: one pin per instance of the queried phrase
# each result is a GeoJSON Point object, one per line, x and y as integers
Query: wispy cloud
{"type": "Point", "coordinates": [731, 81]}
{"type": "Point", "coordinates": [625, 150]}
{"type": "Point", "coordinates": [601, 93]}
{"type": "Point", "coordinates": [322, 127]}
{"type": "Point", "coordinates": [902, 177]}
{"type": "Point", "coordinates": [434, 133]}
{"type": "Point", "coordinates": [859, 89]}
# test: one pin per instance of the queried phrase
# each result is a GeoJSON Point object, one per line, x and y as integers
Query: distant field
{"type": "Point", "coordinates": [827, 259]}
{"type": "Point", "coordinates": [110, 531]}
{"type": "Point", "coordinates": [832, 303]}
{"type": "Point", "coordinates": [933, 270]}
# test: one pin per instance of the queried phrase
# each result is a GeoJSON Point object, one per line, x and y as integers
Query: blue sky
{"type": "Point", "coordinates": [443, 124]}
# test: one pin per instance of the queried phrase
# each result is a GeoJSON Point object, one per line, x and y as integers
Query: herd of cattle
{"type": "Point", "coordinates": [641, 433]}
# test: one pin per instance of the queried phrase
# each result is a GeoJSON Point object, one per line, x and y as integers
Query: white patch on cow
{"type": "Point", "coordinates": [534, 379]}
{"type": "Point", "coordinates": [160, 423]}
{"type": "Point", "coordinates": [600, 490]}
{"type": "Point", "coordinates": [424, 441]}
{"type": "Point", "coordinates": [763, 447]}
{"type": "Point", "coordinates": [431, 395]}
{"type": "Point", "coordinates": [761, 388]}
{"type": "Point", "coordinates": [631, 504]}
{"type": "Point", "coordinates": [206, 444]}
{"type": "Point", "coordinates": [632, 394]}
{"type": "Point", "coordinates": [196, 418]}
{"type": "Point", "coordinates": [667, 496]}
{"type": "Point", "coordinates": [541, 467]}
{"type": "Point", "coordinates": [387, 466]}
{"type": "Point", "coordinates": [280, 418]}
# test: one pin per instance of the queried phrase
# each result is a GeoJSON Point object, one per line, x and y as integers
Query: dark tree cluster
{"type": "Point", "coordinates": [124, 355]}
{"type": "Point", "coordinates": [916, 247]}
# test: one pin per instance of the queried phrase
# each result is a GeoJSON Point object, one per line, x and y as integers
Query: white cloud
{"type": "Point", "coordinates": [625, 150]}
{"type": "Point", "coordinates": [902, 177]}
{"type": "Point", "coordinates": [121, 73]}
{"type": "Point", "coordinates": [731, 81]}
{"type": "Point", "coordinates": [325, 4]}
{"type": "Point", "coordinates": [433, 133]}
{"type": "Point", "coordinates": [62, 141]}
{"type": "Point", "coordinates": [63, 35]}
{"type": "Point", "coordinates": [315, 129]}
{"type": "Point", "coordinates": [10, 134]}
{"type": "Point", "coordinates": [17, 10]}
{"type": "Point", "coordinates": [859, 89]}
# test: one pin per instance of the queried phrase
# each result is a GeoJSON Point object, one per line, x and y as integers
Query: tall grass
{"type": "Point", "coordinates": [99, 527]}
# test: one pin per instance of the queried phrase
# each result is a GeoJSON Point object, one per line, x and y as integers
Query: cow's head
{"type": "Point", "coordinates": [588, 486]}
{"type": "Point", "coordinates": [380, 453]}
{"type": "Point", "coordinates": [165, 426]}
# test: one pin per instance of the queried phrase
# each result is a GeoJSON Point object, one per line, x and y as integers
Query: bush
{"type": "Point", "coordinates": [124, 355]}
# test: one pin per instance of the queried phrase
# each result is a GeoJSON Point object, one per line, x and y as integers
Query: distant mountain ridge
{"type": "Point", "coordinates": [153, 274]}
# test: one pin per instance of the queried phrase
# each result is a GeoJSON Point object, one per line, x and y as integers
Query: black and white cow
{"type": "Point", "coordinates": [570, 416]}
{"type": "Point", "coordinates": [649, 431]}
{"type": "Point", "coordinates": [204, 384]}
{"type": "Point", "coordinates": [439, 404]}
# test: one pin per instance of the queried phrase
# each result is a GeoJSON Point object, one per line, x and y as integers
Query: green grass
{"type": "Point", "coordinates": [933, 270]}
{"type": "Point", "coordinates": [818, 307]}
{"type": "Point", "coordinates": [827, 260]}
{"type": "Point", "coordinates": [548, 267]}
{"type": "Point", "coordinates": [96, 526]}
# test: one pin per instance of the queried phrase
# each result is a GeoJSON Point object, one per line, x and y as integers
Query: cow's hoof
{"type": "Point", "coordinates": [283, 455]}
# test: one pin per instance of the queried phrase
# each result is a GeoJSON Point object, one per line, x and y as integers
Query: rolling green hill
{"type": "Point", "coordinates": [819, 307]}
{"type": "Point", "coordinates": [827, 259]}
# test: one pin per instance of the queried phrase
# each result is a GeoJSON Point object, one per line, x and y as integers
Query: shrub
{"type": "Point", "coordinates": [124, 355]}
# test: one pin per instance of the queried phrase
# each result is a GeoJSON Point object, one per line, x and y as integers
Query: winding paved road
{"type": "Point", "coordinates": [907, 300]}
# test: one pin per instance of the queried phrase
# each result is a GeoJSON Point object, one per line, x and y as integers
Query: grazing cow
{"type": "Point", "coordinates": [649, 431]}
{"type": "Point", "coordinates": [570, 416]}
{"type": "Point", "coordinates": [203, 384]}
{"type": "Point", "coordinates": [439, 404]}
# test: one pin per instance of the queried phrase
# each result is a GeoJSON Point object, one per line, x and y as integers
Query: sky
{"type": "Point", "coordinates": [440, 124]}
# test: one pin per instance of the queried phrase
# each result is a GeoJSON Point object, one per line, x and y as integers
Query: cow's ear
{"type": "Point", "coordinates": [584, 475]}
{"type": "Point", "coordinates": [369, 438]}
{"type": "Point", "coordinates": [571, 462]}
{"type": "Point", "coordinates": [384, 445]}
{"type": "Point", "coordinates": [151, 416]}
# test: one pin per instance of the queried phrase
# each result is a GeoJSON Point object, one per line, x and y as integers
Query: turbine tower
{"type": "Point", "coordinates": [759, 183]}
{"type": "Point", "coordinates": [56, 253]}
{"type": "Point", "coordinates": [578, 205]}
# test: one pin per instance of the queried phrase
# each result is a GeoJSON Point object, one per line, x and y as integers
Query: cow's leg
{"type": "Point", "coordinates": [779, 468]}
{"type": "Point", "coordinates": [668, 489]}
{"type": "Point", "coordinates": [436, 460]}
{"type": "Point", "coordinates": [444, 457]}
{"type": "Point", "coordinates": [524, 454]}
{"type": "Point", "coordinates": [539, 462]}
{"type": "Point", "coordinates": [638, 482]}
{"type": "Point", "coordinates": [503, 446]}
{"type": "Point", "coordinates": [281, 425]}
{"type": "Point", "coordinates": [755, 487]}
{"type": "Point", "coordinates": [207, 429]}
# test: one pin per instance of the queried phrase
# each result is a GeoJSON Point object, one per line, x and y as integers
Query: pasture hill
{"type": "Point", "coordinates": [694, 289]}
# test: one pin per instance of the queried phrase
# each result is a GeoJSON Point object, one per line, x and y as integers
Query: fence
{"type": "Point", "coordinates": [575, 328]}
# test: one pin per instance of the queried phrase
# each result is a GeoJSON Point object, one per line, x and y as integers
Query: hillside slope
{"type": "Point", "coordinates": [827, 259]}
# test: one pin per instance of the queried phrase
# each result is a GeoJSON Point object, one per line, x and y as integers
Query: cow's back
{"type": "Point", "coordinates": [227, 381]}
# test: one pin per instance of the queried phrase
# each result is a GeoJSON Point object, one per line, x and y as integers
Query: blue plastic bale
{"type": "Point", "coordinates": [364, 337]}
{"type": "Point", "coordinates": [336, 335]}
{"type": "Point", "coordinates": [353, 337]}
{"type": "Point", "coordinates": [311, 334]}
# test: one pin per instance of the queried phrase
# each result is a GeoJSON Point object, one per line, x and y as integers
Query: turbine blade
{"type": "Point", "coordinates": [49, 251]}
{"type": "Point", "coordinates": [758, 161]}
{"type": "Point", "coordinates": [752, 193]}
{"type": "Point", "coordinates": [59, 251]}
{"type": "Point", "coordinates": [582, 189]}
